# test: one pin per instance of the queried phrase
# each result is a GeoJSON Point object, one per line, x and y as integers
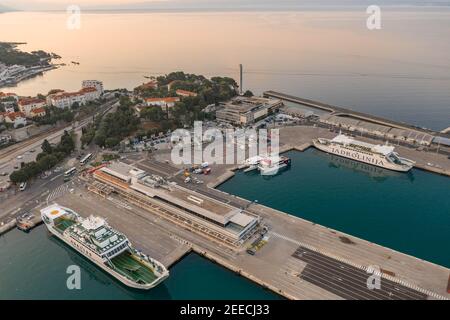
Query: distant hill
{"type": "Point", "coordinates": [5, 9]}
{"type": "Point", "coordinates": [193, 5]}
{"type": "Point", "coordinates": [257, 4]}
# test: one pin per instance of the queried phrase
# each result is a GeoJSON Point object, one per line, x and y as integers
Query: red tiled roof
{"type": "Point", "coordinates": [38, 110]}
{"type": "Point", "coordinates": [28, 101]}
{"type": "Point", "coordinates": [64, 95]}
{"type": "Point", "coordinates": [8, 94]}
{"type": "Point", "coordinates": [151, 84]}
{"type": "Point", "coordinates": [169, 99]}
{"type": "Point", "coordinates": [14, 115]}
{"type": "Point", "coordinates": [185, 92]}
{"type": "Point", "coordinates": [88, 89]}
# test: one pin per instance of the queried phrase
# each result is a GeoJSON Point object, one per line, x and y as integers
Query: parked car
{"type": "Point", "coordinates": [23, 186]}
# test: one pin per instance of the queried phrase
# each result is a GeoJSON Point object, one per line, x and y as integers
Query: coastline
{"type": "Point", "coordinates": [27, 75]}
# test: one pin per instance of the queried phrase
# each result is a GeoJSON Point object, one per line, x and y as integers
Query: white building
{"type": "Point", "coordinates": [93, 84]}
{"type": "Point", "coordinates": [16, 118]}
{"type": "Point", "coordinates": [162, 102]}
{"type": "Point", "coordinates": [38, 112]}
{"type": "Point", "coordinates": [4, 96]}
{"type": "Point", "coordinates": [185, 93]}
{"type": "Point", "coordinates": [9, 109]}
{"type": "Point", "coordinates": [29, 104]}
{"type": "Point", "coordinates": [9, 72]}
{"type": "Point", "coordinates": [67, 99]}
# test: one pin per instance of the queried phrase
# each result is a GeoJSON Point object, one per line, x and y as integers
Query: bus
{"type": "Point", "coordinates": [69, 173]}
{"type": "Point", "coordinates": [86, 159]}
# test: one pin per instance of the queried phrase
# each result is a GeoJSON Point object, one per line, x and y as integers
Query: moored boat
{"type": "Point", "coordinates": [382, 156]}
{"type": "Point", "coordinates": [106, 247]}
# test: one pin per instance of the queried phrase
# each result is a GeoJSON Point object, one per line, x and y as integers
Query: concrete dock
{"type": "Point", "coordinates": [298, 262]}
{"type": "Point", "coordinates": [300, 255]}
{"type": "Point", "coordinates": [301, 260]}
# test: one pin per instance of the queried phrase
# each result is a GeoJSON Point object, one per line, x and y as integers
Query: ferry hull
{"type": "Point", "coordinates": [373, 160]}
{"type": "Point", "coordinates": [102, 265]}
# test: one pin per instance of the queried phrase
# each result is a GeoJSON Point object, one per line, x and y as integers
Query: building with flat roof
{"type": "Point", "coordinates": [27, 105]}
{"type": "Point", "coordinates": [86, 94]}
{"type": "Point", "coordinates": [380, 130]}
{"type": "Point", "coordinates": [185, 93]}
{"type": "Point", "coordinates": [98, 85]}
{"type": "Point", "coordinates": [16, 119]}
{"type": "Point", "coordinates": [209, 216]}
{"type": "Point", "coordinates": [247, 110]}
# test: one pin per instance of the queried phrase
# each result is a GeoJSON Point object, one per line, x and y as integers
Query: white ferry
{"type": "Point", "coordinates": [378, 155]}
{"type": "Point", "coordinates": [272, 165]}
{"type": "Point", "coordinates": [106, 247]}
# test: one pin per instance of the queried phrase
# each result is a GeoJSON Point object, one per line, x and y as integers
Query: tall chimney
{"type": "Point", "coordinates": [241, 90]}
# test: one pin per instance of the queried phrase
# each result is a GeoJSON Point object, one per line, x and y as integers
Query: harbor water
{"type": "Point", "coordinates": [407, 212]}
{"type": "Point", "coordinates": [34, 265]}
{"type": "Point", "coordinates": [400, 72]}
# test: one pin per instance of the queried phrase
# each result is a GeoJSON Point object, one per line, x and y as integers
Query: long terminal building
{"type": "Point", "coordinates": [206, 216]}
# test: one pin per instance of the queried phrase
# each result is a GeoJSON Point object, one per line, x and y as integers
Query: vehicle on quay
{"type": "Point", "coordinates": [108, 248]}
{"type": "Point", "coordinates": [69, 173]}
{"type": "Point", "coordinates": [86, 159]}
{"type": "Point", "coordinates": [382, 156]}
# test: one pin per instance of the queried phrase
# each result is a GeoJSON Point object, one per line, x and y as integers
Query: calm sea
{"type": "Point", "coordinates": [408, 212]}
{"type": "Point", "coordinates": [33, 266]}
{"type": "Point", "coordinates": [400, 71]}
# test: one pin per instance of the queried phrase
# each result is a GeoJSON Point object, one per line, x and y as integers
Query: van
{"type": "Point", "coordinates": [22, 186]}
{"type": "Point", "coordinates": [204, 165]}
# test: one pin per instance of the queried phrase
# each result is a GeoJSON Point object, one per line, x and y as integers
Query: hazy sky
{"type": "Point", "coordinates": [62, 4]}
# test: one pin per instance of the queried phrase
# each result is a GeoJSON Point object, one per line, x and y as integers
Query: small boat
{"type": "Point", "coordinates": [251, 168]}
{"type": "Point", "coordinates": [271, 166]}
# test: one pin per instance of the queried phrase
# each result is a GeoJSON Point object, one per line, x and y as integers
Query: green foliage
{"type": "Point", "coordinates": [53, 115]}
{"type": "Point", "coordinates": [46, 147]}
{"type": "Point", "coordinates": [153, 113]}
{"type": "Point", "coordinates": [189, 109]}
{"type": "Point", "coordinates": [88, 134]}
{"type": "Point", "coordinates": [116, 126]}
{"type": "Point", "coordinates": [10, 55]}
{"type": "Point", "coordinates": [45, 160]}
{"type": "Point", "coordinates": [248, 94]}
{"type": "Point", "coordinates": [110, 157]}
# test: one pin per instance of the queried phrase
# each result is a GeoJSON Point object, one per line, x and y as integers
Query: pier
{"type": "Point", "coordinates": [301, 260]}
{"type": "Point", "coordinates": [340, 111]}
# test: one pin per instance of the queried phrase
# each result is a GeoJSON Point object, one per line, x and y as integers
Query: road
{"type": "Point", "coordinates": [14, 202]}
{"type": "Point", "coordinates": [26, 151]}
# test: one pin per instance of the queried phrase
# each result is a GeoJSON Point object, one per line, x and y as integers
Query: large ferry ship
{"type": "Point", "coordinates": [378, 155]}
{"type": "Point", "coordinates": [107, 248]}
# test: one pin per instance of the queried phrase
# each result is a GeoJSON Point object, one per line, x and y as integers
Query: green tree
{"type": "Point", "coordinates": [248, 94]}
{"type": "Point", "coordinates": [46, 147]}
